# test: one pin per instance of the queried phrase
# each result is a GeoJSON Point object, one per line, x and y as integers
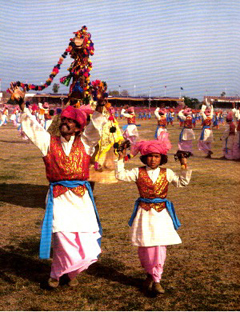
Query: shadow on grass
{"type": "Point", "coordinates": [25, 195]}
{"type": "Point", "coordinates": [110, 269]}
{"type": "Point", "coordinates": [15, 141]}
{"type": "Point", "coordinates": [19, 261]}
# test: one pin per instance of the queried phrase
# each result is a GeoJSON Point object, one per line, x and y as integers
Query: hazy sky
{"type": "Point", "coordinates": [193, 44]}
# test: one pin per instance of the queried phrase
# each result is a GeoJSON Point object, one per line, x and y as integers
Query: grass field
{"type": "Point", "coordinates": [203, 273]}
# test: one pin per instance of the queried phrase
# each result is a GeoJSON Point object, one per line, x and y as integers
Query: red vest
{"type": "Point", "coordinates": [60, 167]}
{"type": "Point", "coordinates": [131, 120]}
{"type": "Point", "coordinates": [162, 122]}
{"type": "Point", "coordinates": [238, 125]}
{"type": "Point", "coordinates": [148, 189]}
{"type": "Point", "coordinates": [188, 122]}
{"type": "Point", "coordinates": [207, 121]}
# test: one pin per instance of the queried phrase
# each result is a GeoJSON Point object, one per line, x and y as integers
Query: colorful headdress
{"type": "Point", "coordinates": [79, 48]}
{"type": "Point", "coordinates": [99, 89]}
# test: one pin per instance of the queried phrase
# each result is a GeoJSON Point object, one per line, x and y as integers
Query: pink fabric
{"type": "Point", "coordinates": [162, 145]}
{"type": "Point", "coordinates": [185, 146]}
{"type": "Point", "coordinates": [73, 253]}
{"type": "Point", "coordinates": [204, 146]}
{"type": "Point", "coordinates": [187, 111]}
{"type": "Point", "coordinates": [78, 114]}
{"type": "Point", "coordinates": [152, 260]}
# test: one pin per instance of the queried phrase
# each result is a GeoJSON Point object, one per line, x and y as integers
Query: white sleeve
{"type": "Point", "coordinates": [125, 175]}
{"type": "Point", "coordinates": [35, 132]}
{"type": "Point", "coordinates": [181, 115]}
{"type": "Point", "coordinates": [156, 113]}
{"type": "Point", "coordinates": [93, 131]}
{"type": "Point", "coordinates": [179, 180]}
{"type": "Point", "coordinates": [127, 115]}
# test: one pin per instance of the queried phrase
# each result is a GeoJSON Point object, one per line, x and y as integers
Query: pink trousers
{"type": "Point", "coordinates": [152, 260]}
{"type": "Point", "coordinates": [185, 145]}
{"type": "Point", "coordinates": [204, 146]}
{"type": "Point", "coordinates": [73, 253]}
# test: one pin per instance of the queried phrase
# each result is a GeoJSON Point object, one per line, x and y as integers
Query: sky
{"type": "Point", "coordinates": [151, 47]}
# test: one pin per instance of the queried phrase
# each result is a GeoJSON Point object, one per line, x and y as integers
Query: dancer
{"type": "Point", "coordinates": [187, 134]}
{"type": "Point", "coordinates": [71, 213]}
{"type": "Point", "coordinates": [230, 139]}
{"type": "Point", "coordinates": [153, 222]}
{"type": "Point", "coordinates": [160, 114]}
{"type": "Point", "coordinates": [206, 137]}
{"type": "Point", "coordinates": [130, 130]}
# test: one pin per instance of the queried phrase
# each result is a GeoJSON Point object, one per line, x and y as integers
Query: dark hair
{"type": "Point", "coordinates": [164, 159]}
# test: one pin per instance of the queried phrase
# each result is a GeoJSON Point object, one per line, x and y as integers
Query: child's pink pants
{"type": "Point", "coordinates": [152, 260]}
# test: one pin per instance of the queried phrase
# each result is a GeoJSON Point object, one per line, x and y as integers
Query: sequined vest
{"type": "Point", "coordinates": [148, 189]}
{"type": "Point", "coordinates": [207, 121]}
{"type": "Point", "coordinates": [60, 167]}
{"type": "Point", "coordinates": [162, 122]}
{"type": "Point", "coordinates": [131, 120]}
{"type": "Point", "coordinates": [188, 122]}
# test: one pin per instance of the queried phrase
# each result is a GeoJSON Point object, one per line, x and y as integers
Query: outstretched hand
{"type": "Point", "coordinates": [17, 95]}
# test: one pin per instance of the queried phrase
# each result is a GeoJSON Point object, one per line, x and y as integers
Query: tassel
{"type": "Point", "coordinates": [66, 80]}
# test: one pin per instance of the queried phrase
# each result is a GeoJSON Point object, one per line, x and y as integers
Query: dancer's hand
{"type": "Point", "coordinates": [17, 95]}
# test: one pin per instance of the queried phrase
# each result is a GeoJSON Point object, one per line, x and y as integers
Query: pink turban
{"type": "Point", "coordinates": [160, 146]}
{"type": "Point", "coordinates": [130, 110]}
{"type": "Point", "coordinates": [78, 114]}
{"type": "Point", "coordinates": [187, 111]}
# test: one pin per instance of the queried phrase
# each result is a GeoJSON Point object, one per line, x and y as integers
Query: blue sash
{"type": "Point", "coordinates": [155, 135]}
{"type": "Point", "coordinates": [46, 234]}
{"type": "Point", "coordinates": [181, 135]}
{"type": "Point", "coordinates": [202, 133]}
{"type": "Point", "coordinates": [169, 207]}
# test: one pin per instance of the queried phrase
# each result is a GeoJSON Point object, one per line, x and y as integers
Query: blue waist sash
{"type": "Point", "coordinates": [46, 234]}
{"type": "Point", "coordinates": [169, 207]}
{"type": "Point", "coordinates": [202, 133]}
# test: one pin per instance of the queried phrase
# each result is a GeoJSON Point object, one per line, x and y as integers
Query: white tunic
{"type": "Point", "coordinates": [71, 213]}
{"type": "Point", "coordinates": [152, 228]}
{"type": "Point", "coordinates": [188, 134]}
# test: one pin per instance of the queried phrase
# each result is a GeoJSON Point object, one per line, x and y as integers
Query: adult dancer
{"type": "Point", "coordinates": [71, 217]}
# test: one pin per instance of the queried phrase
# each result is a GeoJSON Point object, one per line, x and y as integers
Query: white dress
{"type": "Point", "coordinates": [152, 228]}
{"type": "Point", "coordinates": [79, 215]}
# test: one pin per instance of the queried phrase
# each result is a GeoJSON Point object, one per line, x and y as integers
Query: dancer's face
{"type": "Point", "coordinates": [153, 160]}
{"type": "Point", "coordinates": [68, 127]}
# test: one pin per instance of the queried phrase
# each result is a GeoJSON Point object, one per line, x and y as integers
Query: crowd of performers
{"type": "Point", "coordinates": [82, 143]}
{"type": "Point", "coordinates": [71, 159]}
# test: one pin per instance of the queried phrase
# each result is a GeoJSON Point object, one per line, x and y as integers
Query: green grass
{"type": "Point", "coordinates": [202, 273]}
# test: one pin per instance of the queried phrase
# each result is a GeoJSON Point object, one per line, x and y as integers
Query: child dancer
{"type": "Point", "coordinates": [153, 222]}
{"type": "Point", "coordinates": [230, 139]}
{"type": "Point", "coordinates": [206, 137]}
{"type": "Point", "coordinates": [160, 114]}
{"type": "Point", "coordinates": [187, 134]}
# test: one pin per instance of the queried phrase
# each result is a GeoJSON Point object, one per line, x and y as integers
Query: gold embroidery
{"type": "Point", "coordinates": [149, 190]}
